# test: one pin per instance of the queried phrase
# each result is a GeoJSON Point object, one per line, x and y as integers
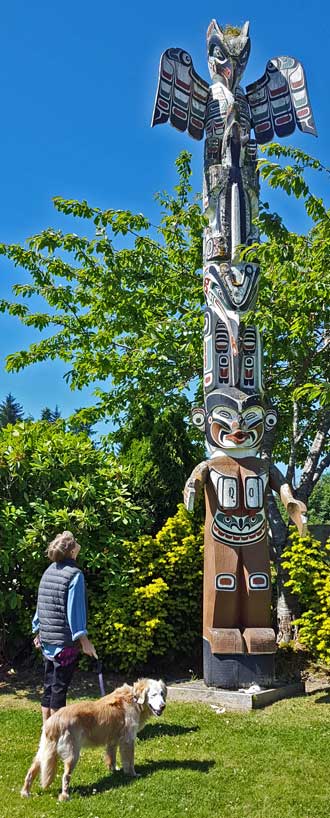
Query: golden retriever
{"type": "Point", "coordinates": [113, 721]}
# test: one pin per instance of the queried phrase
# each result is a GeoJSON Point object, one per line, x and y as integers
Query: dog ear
{"type": "Point", "coordinates": [139, 692]}
{"type": "Point", "coordinates": [163, 687]}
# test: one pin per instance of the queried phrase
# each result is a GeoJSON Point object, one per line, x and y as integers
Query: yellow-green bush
{"type": "Point", "coordinates": [157, 609]}
{"type": "Point", "coordinates": [308, 566]}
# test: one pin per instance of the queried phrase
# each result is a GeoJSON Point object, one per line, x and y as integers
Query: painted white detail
{"type": "Point", "coordinates": [228, 492]}
{"type": "Point", "coordinates": [254, 492]}
{"type": "Point", "coordinates": [208, 352]}
{"type": "Point", "coordinates": [259, 582]}
{"type": "Point", "coordinates": [225, 582]}
{"type": "Point", "coordinates": [235, 221]}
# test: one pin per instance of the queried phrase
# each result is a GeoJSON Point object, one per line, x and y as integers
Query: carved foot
{"type": "Point", "coordinates": [259, 640]}
{"type": "Point", "coordinates": [225, 640]}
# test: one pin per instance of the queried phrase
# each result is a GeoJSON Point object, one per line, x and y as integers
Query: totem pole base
{"type": "Point", "coordinates": [232, 671]}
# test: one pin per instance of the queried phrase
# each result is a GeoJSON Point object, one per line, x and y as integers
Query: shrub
{"type": "Point", "coordinates": [51, 480]}
{"type": "Point", "coordinates": [308, 566]}
{"type": "Point", "coordinates": [158, 607]}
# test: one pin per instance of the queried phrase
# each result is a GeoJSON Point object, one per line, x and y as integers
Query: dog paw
{"type": "Point", "coordinates": [63, 796]}
{"type": "Point", "coordinates": [25, 794]}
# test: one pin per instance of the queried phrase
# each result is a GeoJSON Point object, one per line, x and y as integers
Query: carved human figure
{"type": "Point", "coordinates": [237, 583]}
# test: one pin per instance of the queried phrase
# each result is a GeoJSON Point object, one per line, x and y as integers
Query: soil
{"type": "Point", "coordinates": [23, 684]}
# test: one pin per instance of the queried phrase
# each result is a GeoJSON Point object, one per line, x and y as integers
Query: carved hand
{"type": "Point", "coordinates": [298, 513]}
{"type": "Point", "coordinates": [295, 508]}
{"type": "Point", "coordinates": [196, 479]}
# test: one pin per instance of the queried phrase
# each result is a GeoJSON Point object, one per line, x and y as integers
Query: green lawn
{"type": "Point", "coordinates": [273, 763]}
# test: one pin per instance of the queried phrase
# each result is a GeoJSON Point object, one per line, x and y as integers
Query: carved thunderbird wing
{"type": "Point", "coordinates": [181, 94]}
{"type": "Point", "coordinates": [279, 101]}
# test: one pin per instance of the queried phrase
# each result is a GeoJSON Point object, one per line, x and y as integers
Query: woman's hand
{"type": "Point", "coordinates": [87, 646]}
{"type": "Point", "coordinates": [36, 642]}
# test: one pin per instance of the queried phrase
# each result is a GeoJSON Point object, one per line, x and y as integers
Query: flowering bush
{"type": "Point", "coordinates": [308, 565]}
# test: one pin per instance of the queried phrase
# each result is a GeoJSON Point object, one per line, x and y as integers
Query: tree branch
{"type": "Point", "coordinates": [290, 473]}
{"type": "Point", "coordinates": [311, 463]}
{"type": "Point", "coordinates": [321, 468]}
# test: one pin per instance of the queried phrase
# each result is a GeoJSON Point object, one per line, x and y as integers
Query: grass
{"type": "Point", "coordinates": [193, 762]}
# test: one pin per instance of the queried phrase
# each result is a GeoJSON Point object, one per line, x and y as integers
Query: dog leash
{"type": "Point", "coordinates": [100, 676]}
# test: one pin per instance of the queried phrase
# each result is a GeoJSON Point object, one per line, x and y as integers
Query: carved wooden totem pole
{"type": "Point", "coordinates": [239, 640]}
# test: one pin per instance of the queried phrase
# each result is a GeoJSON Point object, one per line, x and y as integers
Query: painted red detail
{"type": "Point", "coordinates": [278, 92]}
{"type": "Point", "coordinates": [179, 113]}
{"type": "Point", "coordinates": [264, 126]}
{"type": "Point", "coordinates": [282, 120]}
{"type": "Point", "coordinates": [197, 122]}
{"type": "Point", "coordinates": [302, 113]}
{"type": "Point", "coordinates": [182, 84]}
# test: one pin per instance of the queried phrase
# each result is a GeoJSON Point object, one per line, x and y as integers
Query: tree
{"type": "Point", "coordinates": [78, 423]}
{"type": "Point", "coordinates": [159, 452]}
{"type": "Point", "coordinates": [294, 318]}
{"type": "Point", "coordinates": [130, 318]}
{"type": "Point", "coordinates": [50, 415]}
{"type": "Point", "coordinates": [319, 502]}
{"type": "Point", "coordinates": [10, 411]}
{"type": "Point", "coordinates": [134, 315]}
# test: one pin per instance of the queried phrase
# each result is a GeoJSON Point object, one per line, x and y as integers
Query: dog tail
{"type": "Point", "coordinates": [48, 758]}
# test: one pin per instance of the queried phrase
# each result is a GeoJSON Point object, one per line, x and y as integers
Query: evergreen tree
{"type": "Point", "coordinates": [159, 452]}
{"type": "Point", "coordinates": [48, 414]}
{"type": "Point", "coordinates": [10, 411]}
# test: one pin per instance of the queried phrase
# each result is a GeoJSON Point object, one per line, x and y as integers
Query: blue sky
{"type": "Point", "coordinates": [77, 87]}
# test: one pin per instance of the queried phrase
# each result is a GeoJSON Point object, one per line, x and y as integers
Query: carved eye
{"type": "Point", "coordinates": [227, 519]}
{"type": "Point", "coordinates": [186, 58]}
{"type": "Point", "coordinates": [198, 418]}
{"type": "Point", "coordinates": [271, 419]}
{"type": "Point", "coordinates": [221, 413]}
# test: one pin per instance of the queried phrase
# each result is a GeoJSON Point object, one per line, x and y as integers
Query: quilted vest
{"type": "Point", "coordinates": [52, 603]}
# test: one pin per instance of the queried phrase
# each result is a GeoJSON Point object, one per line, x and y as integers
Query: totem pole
{"type": "Point", "coordinates": [238, 637]}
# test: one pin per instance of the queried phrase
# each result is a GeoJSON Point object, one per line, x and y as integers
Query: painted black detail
{"type": "Point", "coordinates": [234, 670]}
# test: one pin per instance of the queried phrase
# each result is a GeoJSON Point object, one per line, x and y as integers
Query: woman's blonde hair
{"type": "Point", "coordinates": [60, 548]}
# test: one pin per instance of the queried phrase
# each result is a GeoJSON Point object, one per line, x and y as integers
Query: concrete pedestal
{"type": "Point", "coordinates": [199, 692]}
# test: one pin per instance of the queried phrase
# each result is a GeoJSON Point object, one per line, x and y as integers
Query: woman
{"type": "Point", "coordinates": [60, 621]}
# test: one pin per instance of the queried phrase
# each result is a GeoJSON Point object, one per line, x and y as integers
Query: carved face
{"type": "Point", "coordinates": [231, 427]}
{"type": "Point", "coordinates": [228, 53]}
{"type": "Point", "coordinates": [234, 422]}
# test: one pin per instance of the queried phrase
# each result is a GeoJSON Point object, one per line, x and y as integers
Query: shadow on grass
{"type": "Point", "coordinates": [323, 699]}
{"type": "Point", "coordinates": [28, 684]}
{"type": "Point", "coordinates": [155, 730]}
{"type": "Point", "coordinates": [119, 779]}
